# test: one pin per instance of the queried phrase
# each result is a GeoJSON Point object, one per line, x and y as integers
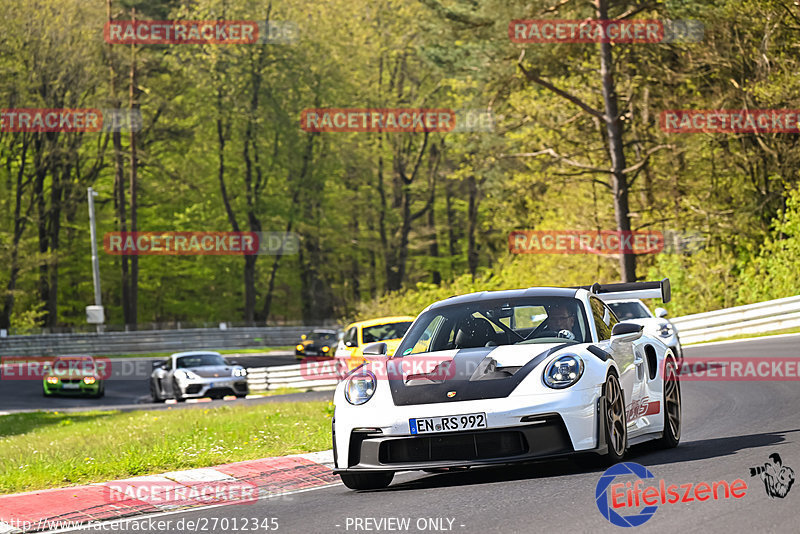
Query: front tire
{"type": "Point", "coordinates": [615, 421]}
{"type": "Point", "coordinates": [176, 391]}
{"type": "Point", "coordinates": [154, 393]}
{"type": "Point", "coordinates": [367, 481]}
{"type": "Point", "coordinates": [672, 408]}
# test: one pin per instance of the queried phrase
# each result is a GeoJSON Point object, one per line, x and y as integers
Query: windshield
{"type": "Point", "coordinates": [629, 310]}
{"type": "Point", "coordinates": [200, 360]}
{"type": "Point", "coordinates": [382, 332]}
{"type": "Point", "coordinates": [322, 336]}
{"type": "Point", "coordinates": [494, 323]}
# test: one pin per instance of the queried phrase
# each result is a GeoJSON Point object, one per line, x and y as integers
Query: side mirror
{"type": "Point", "coordinates": [232, 362]}
{"type": "Point", "coordinates": [158, 365]}
{"type": "Point", "coordinates": [661, 313]}
{"type": "Point", "coordinates": [626, 332]}
{"type": "Point", "coordinates": [350, 344]}
{"type": "Point", "coordinates": [376, 349]}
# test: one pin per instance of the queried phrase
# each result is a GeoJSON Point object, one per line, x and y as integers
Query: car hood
{"type": "Point", "coordinates": [212, 371]}
{"type": "Point", "coordinates": [476, 373]}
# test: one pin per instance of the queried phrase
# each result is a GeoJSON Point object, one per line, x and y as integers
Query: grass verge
{"type": "Point", "coordinates": [51, 449]}
{"type": "Point", "coordinates": [747, 336]}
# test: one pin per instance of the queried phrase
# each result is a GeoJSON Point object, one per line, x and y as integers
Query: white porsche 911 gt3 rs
{"type": "Point", "coordinates": [508, 376]}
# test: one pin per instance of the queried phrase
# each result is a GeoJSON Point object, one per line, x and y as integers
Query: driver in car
{"type": "Point", "coordinates": [561, 320]}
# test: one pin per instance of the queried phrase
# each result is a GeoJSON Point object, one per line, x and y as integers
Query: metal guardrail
{"type": "Point", "coordinates": [110, 343]}
{"type": "Point", "coordinates": [762, 317]}
{"type": "Point", "coordinates": [298, 376]}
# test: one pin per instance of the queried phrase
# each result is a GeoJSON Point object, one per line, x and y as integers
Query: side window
{"type": "Point", "coordinates": [600, 312]}
{"type": "Point", "coordinates": [613, 318]}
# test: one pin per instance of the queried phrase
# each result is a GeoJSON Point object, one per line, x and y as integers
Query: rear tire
{"type": "Point", "coordinates": [672, 408]}
{"type": "Point", "coordinates": [367, 481]}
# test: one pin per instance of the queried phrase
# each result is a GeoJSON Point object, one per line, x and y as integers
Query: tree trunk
{"type": "Point", "coordinates": [19, 227]}
{"type": "Point", "coordinates": [472, 223]}
{"type": "Point", "coordinates": [616, 149]}
{"type": "Point", "coordinates": [119, 183]}
{"type": "Point", "coordinates": [132, 106]}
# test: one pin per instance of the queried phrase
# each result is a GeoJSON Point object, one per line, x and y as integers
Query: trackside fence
{"type": "Point", "coordinates": [763, 317]}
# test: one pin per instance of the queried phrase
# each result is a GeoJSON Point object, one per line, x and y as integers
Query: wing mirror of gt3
{"type": "Point", "coordinates": [627, 331]}
{"type": "Point", "coordinates": [376, 349]}
{"type": "Point", "coordinates": [661, 313]}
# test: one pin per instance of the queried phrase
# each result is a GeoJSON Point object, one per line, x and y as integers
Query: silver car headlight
{"type": "Point", "coordinates": [564, 371]}
{"type": "Point", "coordinates": [240, 372]}
{"type": "Point", "coordinates": [360, 387]}
{"type": "Point", "coordinates": [666, 330]}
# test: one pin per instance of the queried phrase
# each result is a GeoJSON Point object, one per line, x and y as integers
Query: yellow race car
{"type": "Point", "coordinates": [389, 330]}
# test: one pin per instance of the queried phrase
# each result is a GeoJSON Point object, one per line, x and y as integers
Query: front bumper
{"type": "Point", "coordinates": [544, 437]}
{"type": "Point", "coordinates": [519, 429]}
{"type": "Point", "coordinates": [213, 387]}
{"type": "Point", "coordinates": [74, 386]}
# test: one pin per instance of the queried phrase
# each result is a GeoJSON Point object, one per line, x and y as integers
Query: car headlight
{"type": "Point", "coordinates": [300, 348]}
{"type": "Point", "coordinates": [52, 380]}
{"type": "Point", "coordinates": [666, 330]}
{"type": "Point", "coordinates": [325, 349]}
{"type": "Point", "coordinates": [240, 372]}
{"type": "Point", "coordinates": [186, 375]}
{"type": "Point", "coordinates": [89, 380]}
{"type": "Point", "coordinates": [360, 387]}
{"type": "Point", "coordinates": [564, 371]}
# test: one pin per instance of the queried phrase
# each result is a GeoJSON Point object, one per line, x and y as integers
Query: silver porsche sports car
{"type": "Point", "coordinates": [186, 375]}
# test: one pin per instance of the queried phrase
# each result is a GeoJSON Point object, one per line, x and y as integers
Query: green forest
{"type": "Point", "coordinates": [390, 222]}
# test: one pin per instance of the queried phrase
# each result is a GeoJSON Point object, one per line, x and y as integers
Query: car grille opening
{"type": "Point", "coordinates": [193, 389]}
{"type": "Point", "coordinates": [454, 447]}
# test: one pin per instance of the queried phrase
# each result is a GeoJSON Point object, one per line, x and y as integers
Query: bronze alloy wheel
{"type": "Point", "coordinates": [672, 406]}
{"type": "Point", "coordinates": [616, 425]}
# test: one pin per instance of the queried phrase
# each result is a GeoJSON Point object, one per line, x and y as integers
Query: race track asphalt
{"type": "Point", "coordinates": [728, 427]}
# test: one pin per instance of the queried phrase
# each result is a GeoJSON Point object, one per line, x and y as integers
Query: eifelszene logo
{"type": "Point", "coordinates": [613, 498]}
{"type": "Point", "coordinates": [778, 478]}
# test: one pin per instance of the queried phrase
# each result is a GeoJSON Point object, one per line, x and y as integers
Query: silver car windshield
{"type": "Point", "coordinates": [200, 360]}
{"type": "Point", "coordinates": [494, 323]}
{"type": "Point", "coordinates": [629, 310]}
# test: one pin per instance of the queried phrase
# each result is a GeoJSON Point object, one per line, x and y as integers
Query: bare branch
{"type": "Point", "coordinates": [559, 157]}
{"type": "Point", "coordinates": [643, 161]}
{"type": "Point", "coordinates": [533, 77]}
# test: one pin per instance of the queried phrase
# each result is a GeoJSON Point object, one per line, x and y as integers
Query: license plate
{"type": "Point", "coordinates": [70, 386]}
{"type": "Point", "coordinates": [452, 423]}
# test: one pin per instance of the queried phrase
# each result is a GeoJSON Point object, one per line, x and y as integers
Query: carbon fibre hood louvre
{"type": "Point", "coordinates": [474, 377]}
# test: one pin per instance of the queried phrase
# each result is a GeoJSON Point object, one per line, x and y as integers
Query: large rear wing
{"type": "Point", "coordinates": [631, 290]}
